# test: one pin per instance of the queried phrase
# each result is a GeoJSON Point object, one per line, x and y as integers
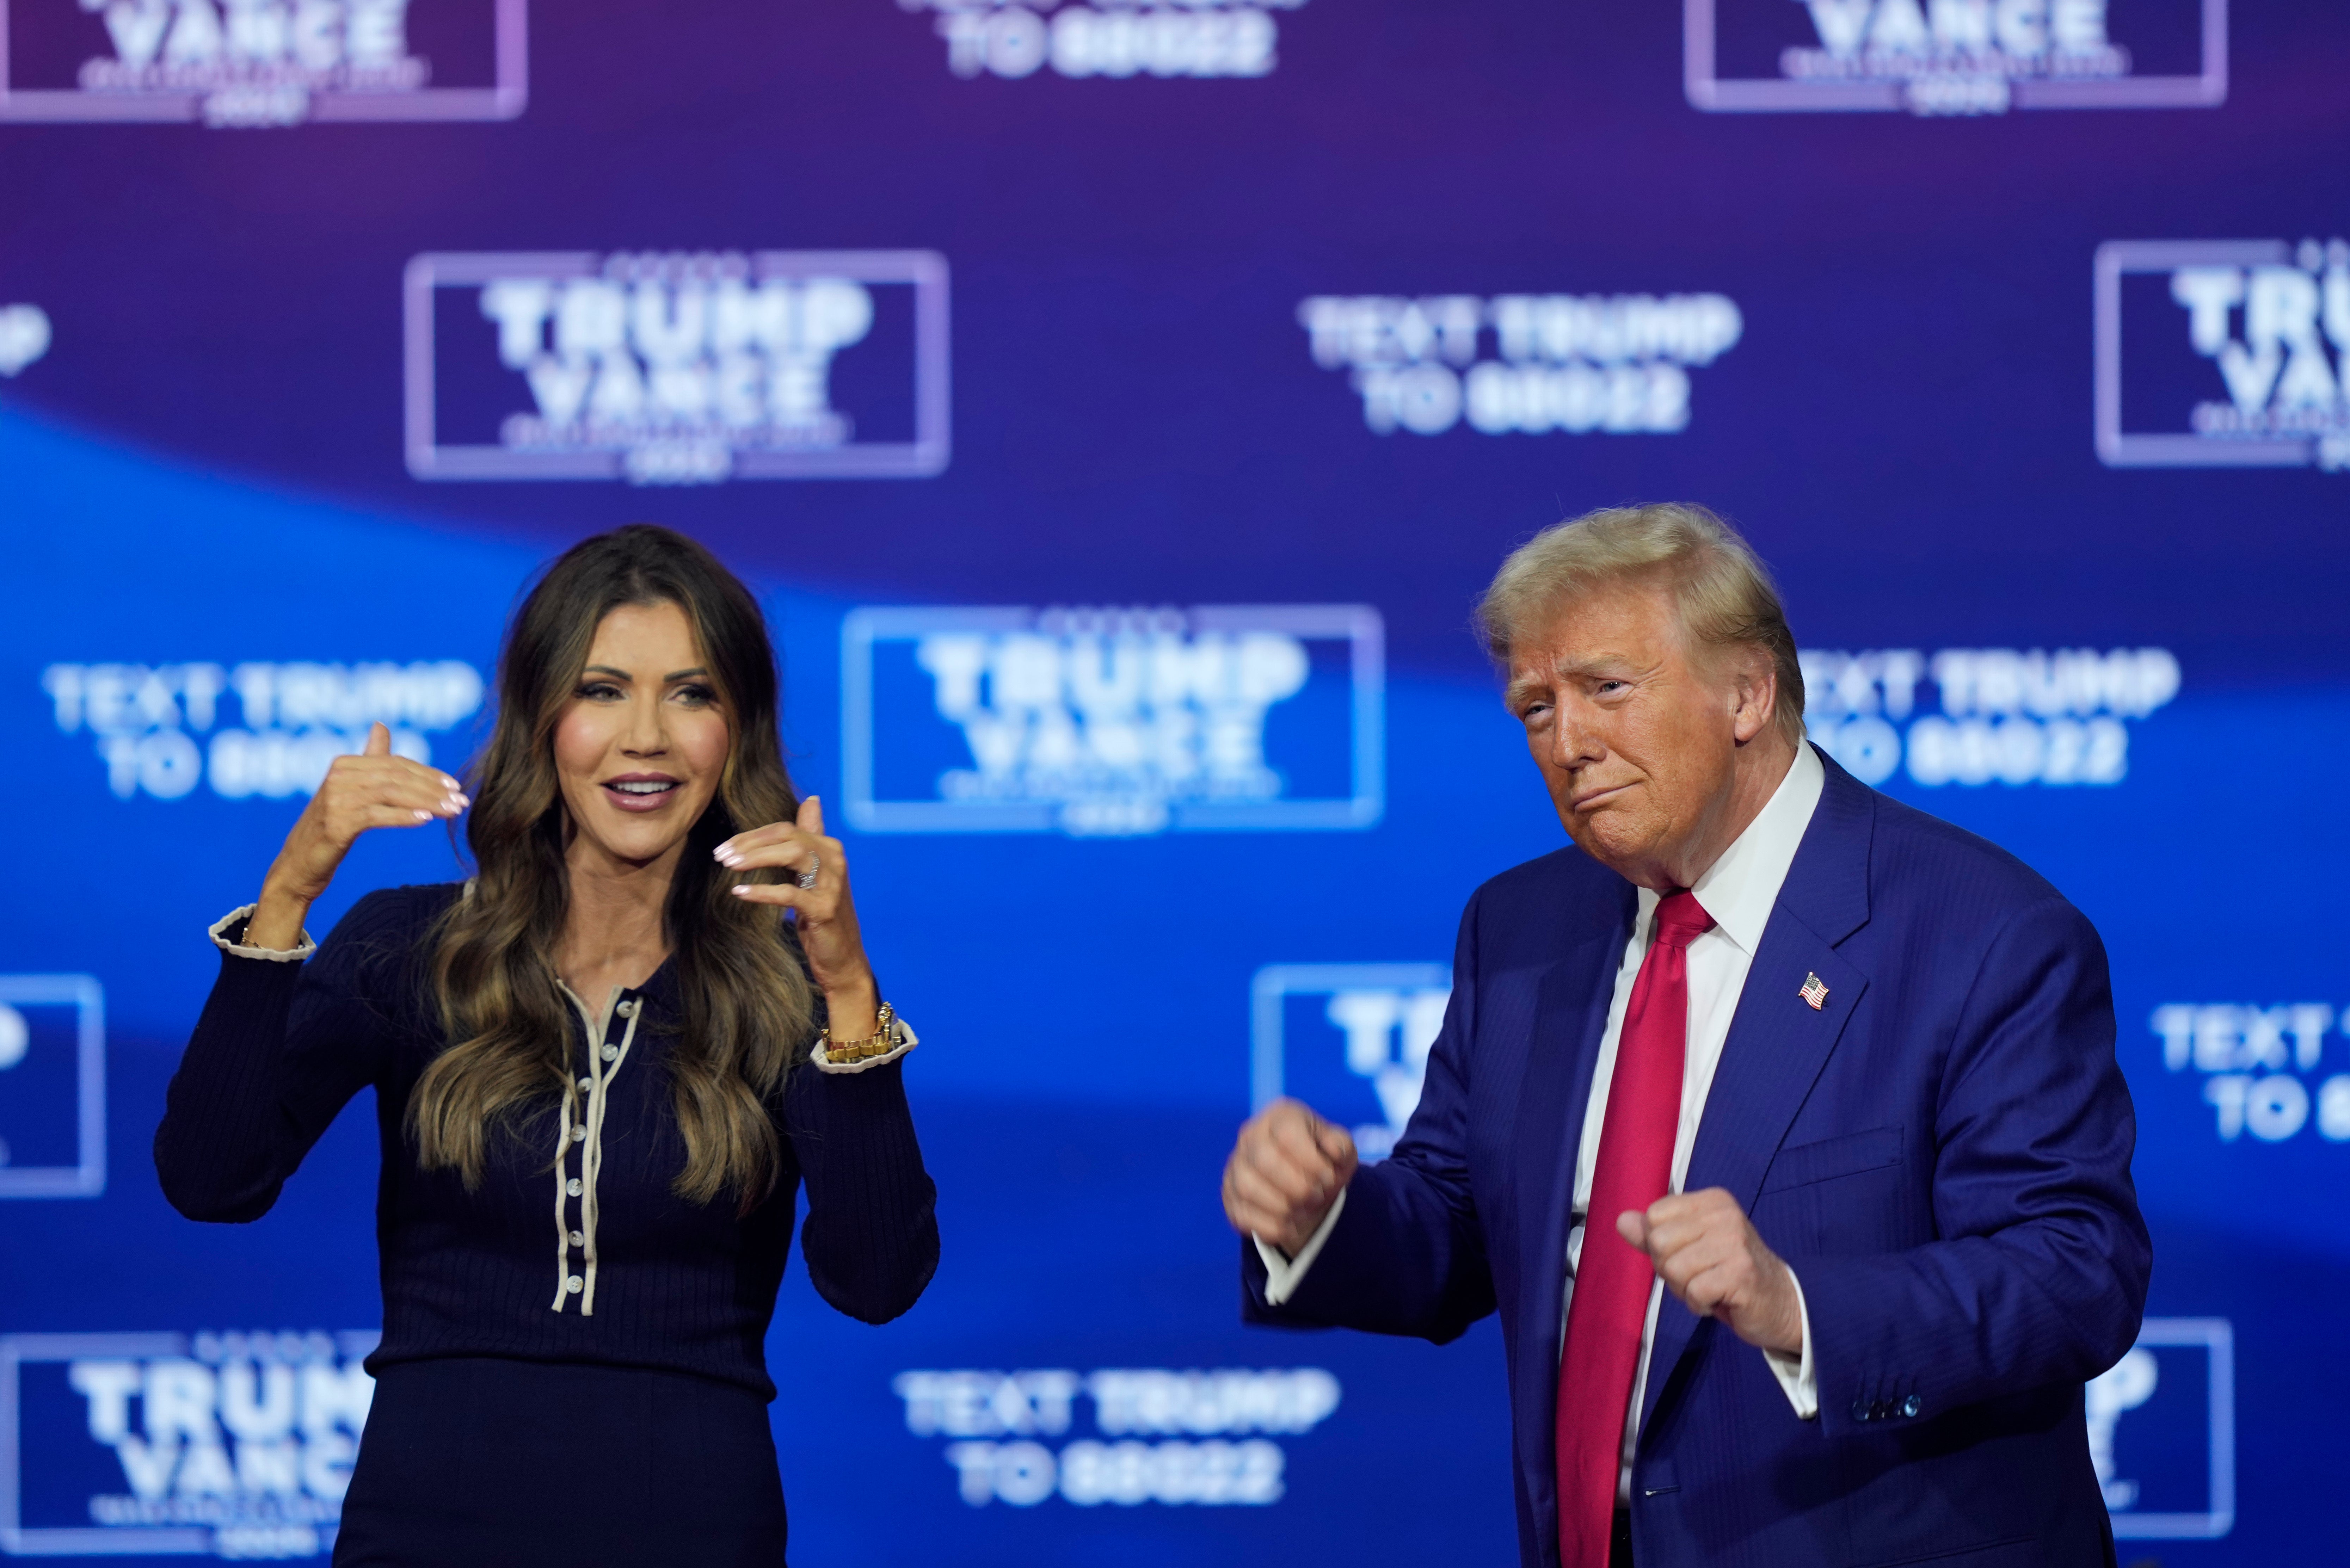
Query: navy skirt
{"type": "Point", "coordinates": [520, 1463]}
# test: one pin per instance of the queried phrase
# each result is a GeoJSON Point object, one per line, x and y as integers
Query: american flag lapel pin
{"type": "Point", "coordinates": [1813, 991]}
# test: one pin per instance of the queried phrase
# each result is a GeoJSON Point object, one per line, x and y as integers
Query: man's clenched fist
{"type": "Point", "coordinates": [1285, 1171]}
{"type": "Point", "coordinates": [1714, 1262]}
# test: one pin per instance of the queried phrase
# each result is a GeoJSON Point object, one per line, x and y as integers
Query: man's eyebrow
{"type": "Point", "coordinates": [1610, 665]}
{"type": "Point", "coordinates": [1591, 663]}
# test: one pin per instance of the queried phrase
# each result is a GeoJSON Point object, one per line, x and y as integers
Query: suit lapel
{"type": "Point", "coordinates": [1778, 1043]}
{"type": "Point", "coordinates": [1570, 1017]}
{"type": "Point", "coordinates": [1776, 1048]}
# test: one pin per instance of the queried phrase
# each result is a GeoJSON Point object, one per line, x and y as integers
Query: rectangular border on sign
{"type": "Point", "coordinates": [177, 1541]}
{"type": "Point", "coordinates": [2218, 1336]}
{"type": "Point", "coordinates": [86, 1177]}
{"type": "Point", "coordinates": [505, 100]}
{"type": "Point", "coordinates": [1711, 93]}
{"type": "Point", "coordinates": [1275, 983]}
{"type": "Point", "coordinates": [919, 458]}
{"type": "Point", "coordinates": [16, 1350]}
{"type": "Point", "coordinates": [2118, 259]}
{"type": "Point", "coordinates": [1359, 624]}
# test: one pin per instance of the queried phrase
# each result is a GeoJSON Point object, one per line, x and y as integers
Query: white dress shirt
{"type": "Point", "coordinates": [1738, 890]}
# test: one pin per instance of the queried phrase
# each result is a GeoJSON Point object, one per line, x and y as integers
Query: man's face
{"type": "Point", "coordinates": [1636, 737]}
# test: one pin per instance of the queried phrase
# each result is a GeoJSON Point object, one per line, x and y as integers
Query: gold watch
{"type": "Point", "coordinates": [880, 1042]}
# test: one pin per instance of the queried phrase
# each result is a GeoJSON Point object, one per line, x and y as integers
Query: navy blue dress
{"type": "Point", "coordinates": [573, 1367]}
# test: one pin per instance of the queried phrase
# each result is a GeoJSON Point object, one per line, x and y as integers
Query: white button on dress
{"type": "Point", "coordinates": [583, 1128]}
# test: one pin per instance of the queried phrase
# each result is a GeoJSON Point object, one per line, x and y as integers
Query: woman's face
{"type": "Point", "coordinates": [641, 744]}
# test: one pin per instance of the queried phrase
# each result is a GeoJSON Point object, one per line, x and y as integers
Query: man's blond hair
{"type": "Point", "coordinates": [1721, 589]}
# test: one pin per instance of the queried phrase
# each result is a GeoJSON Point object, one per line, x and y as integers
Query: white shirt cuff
{"type": "Point", "coordinates": [276, 955]}
{"type": "Point", "coordinates": [1283, 1275]}
{"type": "Point", "coordinates": [899, 1030]}
{"type": "Point", "coordinates": [1795, 1373]}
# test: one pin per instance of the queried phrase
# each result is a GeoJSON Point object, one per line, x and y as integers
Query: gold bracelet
{"type": "Point", "coordinates": [880, 1042]}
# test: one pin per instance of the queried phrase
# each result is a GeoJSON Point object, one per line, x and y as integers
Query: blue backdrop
{"type": "Point", "coordinates": [1119, 406]}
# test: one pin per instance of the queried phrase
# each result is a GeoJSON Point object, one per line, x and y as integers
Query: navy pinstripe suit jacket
{"type": "Point", "coordinates": [1941, 1152]}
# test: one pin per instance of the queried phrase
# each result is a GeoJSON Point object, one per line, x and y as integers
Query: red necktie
{"type": "Point", "coordinates": [1610, 1305]}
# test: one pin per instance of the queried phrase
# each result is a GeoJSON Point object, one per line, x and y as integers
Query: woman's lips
{"type": "Point", "coordinates": [648, 795]}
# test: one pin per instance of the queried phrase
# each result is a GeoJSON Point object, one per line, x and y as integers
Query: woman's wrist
{"type": "Point", "coordinates": [277, 916]}
{"type": "Point", "coordinates": [853, 1009]}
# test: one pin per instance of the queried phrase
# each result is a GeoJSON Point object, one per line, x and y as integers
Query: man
{"type": "Point", "coordinates": [1833, 1082]}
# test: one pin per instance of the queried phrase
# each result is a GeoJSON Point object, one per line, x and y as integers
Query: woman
{"type": "Point", "coordinates": [602, 1068]}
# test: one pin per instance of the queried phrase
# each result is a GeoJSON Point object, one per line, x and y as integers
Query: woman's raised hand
{"type": "Point", "coordinates": [374, 789]}
{"type": "Point", "coordinates": [827, 915]}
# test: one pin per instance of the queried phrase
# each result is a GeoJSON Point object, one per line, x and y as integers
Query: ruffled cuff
{"type": "Point", "coordinates": [228, 935]}
{"type": "Point", "coordinates": [903, 1040]}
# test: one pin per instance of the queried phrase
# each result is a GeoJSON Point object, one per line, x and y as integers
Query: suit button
{"type": "Point", "coordinates": [1911, 1405]}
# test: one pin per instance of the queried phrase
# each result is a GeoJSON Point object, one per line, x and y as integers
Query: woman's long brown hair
{"type": "Point", "coordinates": [747, 1003]}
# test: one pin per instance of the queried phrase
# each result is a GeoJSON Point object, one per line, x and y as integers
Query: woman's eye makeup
{"type": "Point", "coordinates": [694, 694]}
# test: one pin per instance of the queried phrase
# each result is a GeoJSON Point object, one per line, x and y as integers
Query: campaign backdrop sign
{"type": "Point", "coordinates": [2264, 1070]}
{"type": "Point", "coordinates": [1977, 716]}
{"type": "Point", "coordinates": [1201, 1438]}
{"type": "Point", "coordinates": [236, 1445]}
{"type": "Point", "coordinates": [254, 729]}
{"type": "Point", "coordinates": [1113, 722]}
{"type": "Point", "coordinates": [669, 368]}
{"type": "Point", "coordinates": [52, 1086]}
{"type": "Point", "coordinates": [1113, 41]}
{"type": "Point", "coordinates": [258, 63]}
{"type": "Point", "coordinates": [2162, 1432]}
{"type": "Point", "coordinates": [1533, 364]}
{"type": "Point", "coordinates": [1350, 1039]}
{"type": "Point", "coordinates": [2223, 353]}
{"type": "Point", "coordinates": [24, 336]}
{"type": "Point", "coordinates": [1955, 57]}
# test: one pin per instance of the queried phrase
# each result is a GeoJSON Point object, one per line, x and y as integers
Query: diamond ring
{"type": "Point", "coordinates": [807, 877]}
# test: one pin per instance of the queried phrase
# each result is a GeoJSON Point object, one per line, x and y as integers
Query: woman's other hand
{"type": "Point", "coordinates": [827, 915]}
{"type": "Point", "coordinates": [374, 789]}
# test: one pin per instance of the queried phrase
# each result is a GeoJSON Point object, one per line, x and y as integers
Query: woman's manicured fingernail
{"type": "Point", "coordinates": [423, 817]}
{"type": "Point", "coordinates": [741, 888]}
